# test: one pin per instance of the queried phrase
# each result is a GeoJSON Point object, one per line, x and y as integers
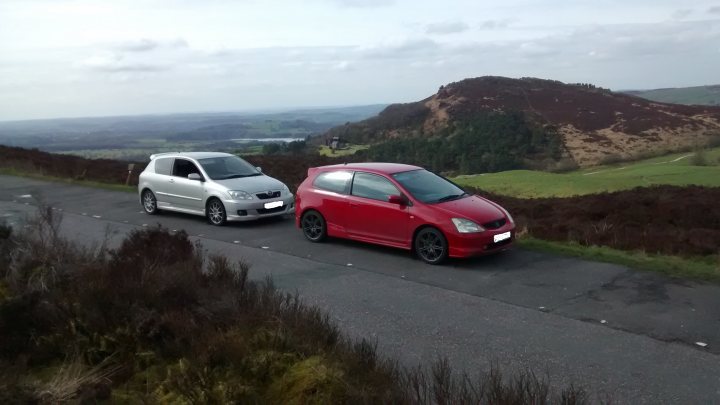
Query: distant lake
{"type": "Point", "coordinates": [286, 140]}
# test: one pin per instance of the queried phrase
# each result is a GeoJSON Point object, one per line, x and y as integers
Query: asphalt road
{"type": "Point", "coordinates": [626, 335]}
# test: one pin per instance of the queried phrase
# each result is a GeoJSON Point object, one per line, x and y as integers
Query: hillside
{"type": "Point", "coordinates": [682, 169]}
{"type": "Point", "coordinates": [508, 123]}
{"type": "Point", "coordinates": [697, 95]}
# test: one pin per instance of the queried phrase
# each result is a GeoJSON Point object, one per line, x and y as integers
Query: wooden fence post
{"type": "Point", "coordinates": [131, 166]}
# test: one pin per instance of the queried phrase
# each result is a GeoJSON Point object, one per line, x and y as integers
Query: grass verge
{"type": "Point", "coordinates": [701, 268]}
{"type": "Point", "coordinates": [87, 183]}
{"type": "Point", "coordinates": [676, 169]}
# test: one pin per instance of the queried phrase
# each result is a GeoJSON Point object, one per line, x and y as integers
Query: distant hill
{"type": "Point", "coordinates": [129, 131]}
{"type": "Point", "coordinates": [497, 123]}
{"type": "Point", "coordinates": [699, 95]}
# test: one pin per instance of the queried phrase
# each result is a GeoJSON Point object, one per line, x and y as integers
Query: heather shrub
{"type": "Point", "coordinates": [156, 320]}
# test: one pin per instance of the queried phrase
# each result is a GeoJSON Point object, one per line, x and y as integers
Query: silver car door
{"type": "Point", "coordinates": [161, 181]}
{"type": "Point", "coordinates": [186, 194]}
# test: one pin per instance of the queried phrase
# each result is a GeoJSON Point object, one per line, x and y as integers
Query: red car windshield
{"type": "Point", "coordinates": [428, 187]}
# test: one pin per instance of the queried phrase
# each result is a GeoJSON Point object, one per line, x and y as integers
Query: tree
{"type": "Point", "coordinates": [271, 148]}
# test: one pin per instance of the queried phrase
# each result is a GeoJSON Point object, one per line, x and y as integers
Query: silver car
{"type": "Point", "coordinates": [220, 186]}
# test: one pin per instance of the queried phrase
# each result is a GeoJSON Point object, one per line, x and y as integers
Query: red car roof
{"type": "Point", "coordinates": [384, 168]}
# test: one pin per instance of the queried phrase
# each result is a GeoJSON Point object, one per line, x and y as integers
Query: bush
{"type": "Point", "coordinates": [611, 159]}
{"type": "Point", "coordinates": [271, 148]}
{"type": "Point", "coordinates": [713, 141]}
{"type": "Point", "coordinates": [699, 158]}
{"type": "Point", "coordinates": [155, 320]}
{"type": "Point", "coordinates": [564, 165]}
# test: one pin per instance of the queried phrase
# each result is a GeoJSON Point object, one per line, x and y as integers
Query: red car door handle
{"type": "Point", "coordinates": [354, 205]}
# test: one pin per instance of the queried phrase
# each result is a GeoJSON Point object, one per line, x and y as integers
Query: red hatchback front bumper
{"type": "Point", "coordinates": [477, 244]}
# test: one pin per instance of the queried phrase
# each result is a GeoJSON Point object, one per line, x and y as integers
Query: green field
{"type": "Point", "coordinates": [349, 150]}
{"type": "Point", "coordinates": [676, 169]}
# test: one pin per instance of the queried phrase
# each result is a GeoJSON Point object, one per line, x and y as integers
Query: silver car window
{"type": "Point", "coordinates": [183, 167]}
{"type": "Point", "coordinates": [164, 166]}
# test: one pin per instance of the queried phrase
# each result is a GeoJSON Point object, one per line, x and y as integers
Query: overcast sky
{"type": "Point", "coordinates": [87, 58]}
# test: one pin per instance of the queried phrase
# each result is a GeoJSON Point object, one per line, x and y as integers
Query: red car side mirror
{"type": "Point", "coordinates": [396, 199]}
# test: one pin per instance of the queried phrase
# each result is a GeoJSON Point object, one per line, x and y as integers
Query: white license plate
{"type": "Point", "coordinates": [501, 236]}
{"type": "Point", "coordinates": [273, 204]}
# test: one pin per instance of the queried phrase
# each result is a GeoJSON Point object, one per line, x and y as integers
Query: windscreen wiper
{"type": "Point", "coordinates": [237, 176]}
{"type": "Point", "coordinates": [451, 197]}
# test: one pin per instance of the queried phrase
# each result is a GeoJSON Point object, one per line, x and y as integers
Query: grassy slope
{"type": "Point", "coordinates": [622, 176]}
{"type": "Point", "coordinates": [706, 95]}
{"type": "Point", "coordinates": [660, 170]}
{"type": "Point", "coordinates": [325, 151]}
{"type": "Point", "coordinates": [86, 183]}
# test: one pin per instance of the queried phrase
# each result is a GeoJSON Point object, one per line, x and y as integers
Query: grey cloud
{"type": "Point", "coordinates": [130, 68]}
{"type": "Point", "coordinates": [681, 14]}
{"type": "Point", "coordinates": [141, 45]}
{"type": "Point", "coordinates": [535, 49]}
{"type": "Point", "coordinates": [114, 63]}
{"type": "Point", "coordinates": [618, 56]}
{"type": "Point", "coordinates": [364, 3]}
{"type": "Point", "coordinates": [414, 48]}
{"type": "Point", "coordinates": [145, 45]}
{"type": "Point", "coordinates": [649, 39]}
{"type": "Point", "coordinates": [494, 24]}
{"type": "Point", "coordinates": [714, 10]}
{"type": "Point", "coordinates": [449, 27]}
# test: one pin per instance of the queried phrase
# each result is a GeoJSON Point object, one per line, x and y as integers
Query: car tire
{"type": "Point", "coordinates": [431, 246]}
{"type": "Point", "coordinates": [313, 226]}
{"type": "Point", "coordinates": [149, 202]}
{"type": "Point", "coordinates": [215, 212]}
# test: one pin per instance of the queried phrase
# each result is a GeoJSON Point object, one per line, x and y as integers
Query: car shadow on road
{"type": "Point", "coordinates": [256, 223]}
{"type": "Point", "coordinates": [404, 257]}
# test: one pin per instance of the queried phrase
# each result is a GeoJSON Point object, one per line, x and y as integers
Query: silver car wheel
{"type": "Point", "coordinates": [216, 212]}
{"type": "Point", "coordinates": [149, 202]}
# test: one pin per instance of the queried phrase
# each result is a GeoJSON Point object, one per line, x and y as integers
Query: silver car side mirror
{"type": "Point", "coordinates": [259, 168]}
{"type": "Point", "coordinates": [194, 176]}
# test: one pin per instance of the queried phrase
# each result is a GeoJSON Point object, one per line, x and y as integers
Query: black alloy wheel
{"type": "Point", "coordinates": [313, 226]}
{"type": "Point", "coordinates": [431, 246]}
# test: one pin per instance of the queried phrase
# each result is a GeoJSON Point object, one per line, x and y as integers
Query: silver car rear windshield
{"type": "Point", "coordinates": [227, 167]}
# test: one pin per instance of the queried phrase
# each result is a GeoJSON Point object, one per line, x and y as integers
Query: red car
{"type": "Point", "coordinates": [401, 206]}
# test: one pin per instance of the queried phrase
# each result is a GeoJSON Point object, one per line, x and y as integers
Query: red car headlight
{"type": "Point", "coordinates": [466, 226]}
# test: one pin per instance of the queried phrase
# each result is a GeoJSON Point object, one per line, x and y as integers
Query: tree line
{"type": "Point", "coordinates": [488, 142]}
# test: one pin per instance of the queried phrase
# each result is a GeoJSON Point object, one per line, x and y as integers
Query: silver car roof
{"type": "Point", "coordinates": [191, 155]}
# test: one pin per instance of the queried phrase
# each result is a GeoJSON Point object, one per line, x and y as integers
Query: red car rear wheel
{"type": "Point", "coordinates": [313, 226]}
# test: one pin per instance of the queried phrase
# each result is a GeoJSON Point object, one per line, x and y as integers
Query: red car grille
{"type": "Point", "coordinates": [498, 223]}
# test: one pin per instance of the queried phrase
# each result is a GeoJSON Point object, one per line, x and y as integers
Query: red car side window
{"type": "Point", "coordinates": [372, 186]}
{"type": "Point", "coordinates": [336, 181]}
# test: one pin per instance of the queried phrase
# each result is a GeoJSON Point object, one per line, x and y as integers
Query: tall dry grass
{"type": "Point", "coordinates": [157, 320]}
